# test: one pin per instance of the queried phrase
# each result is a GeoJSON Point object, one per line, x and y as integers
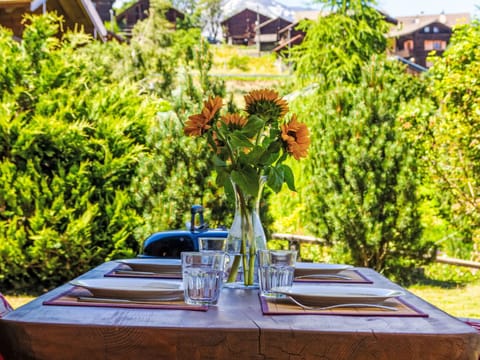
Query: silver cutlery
{"type": "Point", "coordinates": [323, 276]}
{"type": "Point", "coordinates": [306, 307]}
{"type": "Point", "coordinates": [126, 301]}
{"type": "Point", "coordinates": [136, 272]}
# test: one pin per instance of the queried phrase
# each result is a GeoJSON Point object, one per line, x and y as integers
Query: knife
{"type": "Point", "coordinates": [126, 301]}
{"type": "Point", "coordinates": [323, 276]}
{"type": "Point", "coordinates": [135, 272]}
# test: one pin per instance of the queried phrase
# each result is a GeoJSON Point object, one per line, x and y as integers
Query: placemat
{"type": "Point", "coordinates": [71, 298]}
{"type": "Point", "coordinates": [355, 277]}
{"type": "Point", "coordinates": [123, 270]}
{"type": "Point", "coordinates": [286, 307]}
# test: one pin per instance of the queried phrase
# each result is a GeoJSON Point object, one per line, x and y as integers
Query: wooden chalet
{"type": "Point", "coordinates": [139, 11]}
{"type": "Point", "coordinates": [268, 31]}
{"type": "Point", "coordinates": [76, 14]}
{"type": "Point", "coordinates": [288, 37]}
{"type": "Point", "coordinates": [104, 9]}
{"type": "Point", "coordinates": [11, 15]}
{"type": "Point", "coordinates": [240, 28]}
{"type": "Point", "coordinates": [291, 35]}
{"type": "Point", "coordinates": [415, 37]}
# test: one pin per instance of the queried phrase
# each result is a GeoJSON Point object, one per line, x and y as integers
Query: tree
{"type": "Point", "coordinates": [339, 43]}
{"type": "Point", "coordinates": [454, 140]}
{"type": "Point", "coordinates": [92, 154]}
{"type": "Point", "coordinates": [71, 139]}
{"type": "Point", "coordinates": [360, 189]}
{"type": "Point", "coordinates": [210, 15]}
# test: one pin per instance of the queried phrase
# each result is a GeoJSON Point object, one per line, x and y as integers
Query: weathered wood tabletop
{"type": "Point", "coordinates": [234, 329]}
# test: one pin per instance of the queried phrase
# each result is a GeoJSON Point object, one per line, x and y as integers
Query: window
{"type": "Point", "coordinates": [408, 45]}
{"type": "Point", "coordinates": [435, 44]}
{"type": "Point", "coordinates": [426, 29]}
{"type": "Point", "coordinates": [435, 29]}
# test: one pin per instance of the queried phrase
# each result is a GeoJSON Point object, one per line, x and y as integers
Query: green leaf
{"type": "Point", "coordinates": [289, 178]}
{"type": "Point", "coordinates": [275, 179]}
{"type": "Point", "coordinates": [253, 126]}
{"type": "Point", "coordinates": [239, 140]}
{"type": "Point", "coordinates": [247, 179]}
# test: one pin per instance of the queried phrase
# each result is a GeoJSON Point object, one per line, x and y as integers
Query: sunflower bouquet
{"type": "Point", "coordinates": [250, 148]}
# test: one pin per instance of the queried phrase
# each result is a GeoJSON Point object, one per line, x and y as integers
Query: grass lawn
{"type": "Point", "coordinates": [461, 301]}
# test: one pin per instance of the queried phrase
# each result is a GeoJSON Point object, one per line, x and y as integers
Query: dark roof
{"type": "Point", "coordinates": [11, 14]}
{"type": "Point", "coordinates": [409, 24]}
{"type": "Point", "coordinates": [75, 12]}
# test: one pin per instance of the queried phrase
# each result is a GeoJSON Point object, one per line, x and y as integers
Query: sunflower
{"type": "Point", "coordinates": [234, 121]}
{"type": "Point", "coordinates": [198, 124]}
{"type": "Point", "coordinates": [296, 138]}
{"type": "Point", "coordinates": [265, 103]}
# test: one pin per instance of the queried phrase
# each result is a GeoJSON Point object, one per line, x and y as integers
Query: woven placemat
{"type": "Point", "coordinates": [272, 306]}
{"type": "Point", "coordinates": [72, 297]}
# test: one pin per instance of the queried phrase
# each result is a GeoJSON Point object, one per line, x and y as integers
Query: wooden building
{"type": "Point", "coordinates": [139, 11]}
{"type": "Point", "coordinates": [240, 28]}
{"type": "Point", "coordinates": [288, 37]}
{"type": "Point", "coordinates": [11, 15]}
{"type": "Point", "coordinates": [76, 14]}
{"type": "Point", "coordinates": [267, 33]}
{"type": "Point", "coordinates": [104, 9]}
{"type": "Point", "coordinates": [415, 37]}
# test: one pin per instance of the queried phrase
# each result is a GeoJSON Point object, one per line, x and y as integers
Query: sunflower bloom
{"type": "Point", "coordinates": [265, 102]}
{"type": "Point", "coordinates": [199, 124]}
{"type": "Point", "coordinates": [234, 121]}
{"type": "Point", "coordinates": [296, 137]}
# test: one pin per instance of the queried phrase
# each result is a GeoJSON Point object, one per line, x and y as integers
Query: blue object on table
{"type": "Point", "coordinates": [171, 243]}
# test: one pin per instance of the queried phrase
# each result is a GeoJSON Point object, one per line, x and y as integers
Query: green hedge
{"type": "Point", "coordinates": [69, 151]}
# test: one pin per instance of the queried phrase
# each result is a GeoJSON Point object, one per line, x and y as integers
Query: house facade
{"type": "Point", "coordinates": [75, 13]}
{"type": "Point", "coordinates": [240, 28]}
{"type": "Point", "coordinates": [139, 11]}
{"type": "Point", "coordinates": [288, 37]}
{"type": "Point", "coordinates": [415, 37]}
{"type": "Point", "coordinates": [104, 9]}
{"type": "Point", "coordinates": [11, 15]}
{"type": "Point", "coordinates": [267, 33]}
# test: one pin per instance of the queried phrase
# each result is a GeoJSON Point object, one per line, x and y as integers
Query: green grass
{"type": "Point", "coordinates": [461, 301]}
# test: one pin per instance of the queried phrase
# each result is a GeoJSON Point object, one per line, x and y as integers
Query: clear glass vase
{"type": "Point", "coordinates": [245, 237]}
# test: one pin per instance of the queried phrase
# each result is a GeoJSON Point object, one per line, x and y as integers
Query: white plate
{"type": "Point", "coordinates": [154, 265]}
{"type": "Point", "coordinates": [320, 295]}
{"type": "Point", "coordinates": [124, 288]}
{"type": "Point", "coordinates": [302, 269]}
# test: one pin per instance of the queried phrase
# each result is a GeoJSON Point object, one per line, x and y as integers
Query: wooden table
{"type": "Point", "coordinates": [234, 329]}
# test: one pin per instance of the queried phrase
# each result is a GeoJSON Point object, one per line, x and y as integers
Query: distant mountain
{"type": "Point", "coordinates": [270, 8]}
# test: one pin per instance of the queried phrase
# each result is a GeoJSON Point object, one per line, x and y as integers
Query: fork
{"type": "Point", "coordinates": [323, 276]}
{"type": "Point", "coordinates": [306, 307]}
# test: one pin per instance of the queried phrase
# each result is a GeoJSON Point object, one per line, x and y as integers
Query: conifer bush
{"type": "Point", "coordinates": [92, 153]}
{"type": "Point", "coordinates": [70, 143]}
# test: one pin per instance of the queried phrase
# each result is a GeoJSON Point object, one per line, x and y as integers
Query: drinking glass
{"type": "Point", "coordinates": [276, 268]}
{"type": "Point", "coordinates": [203, 274]}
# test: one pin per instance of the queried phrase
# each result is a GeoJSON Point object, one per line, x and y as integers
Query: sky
{"type": "Point", "coordinates": [414, 7]}
{"type": "Point", "coordinates": [409, 7]}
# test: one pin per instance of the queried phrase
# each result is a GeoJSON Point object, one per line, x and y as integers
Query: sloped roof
{"type": "Point", "coordinates": [13, 3]}
{"type": "Point", "coordinates": [269, 8]}
{"type": "Point", "coordinates": [75, 12]}
{"type": "Point", "coordinates": [309, 15]}
{"type": "Point", "coordinates": [409, 24]}
{"type": "Point", "coordinates": [269, 21]}
{"type": "Point", "coordinates": [11, 14]}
